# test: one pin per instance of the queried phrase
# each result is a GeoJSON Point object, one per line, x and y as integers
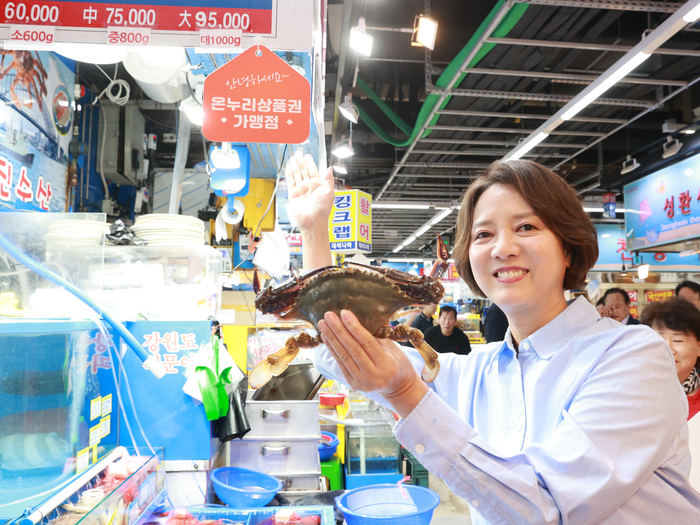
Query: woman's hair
{"type": "Point", "coordinates": [688, 284]}
{"type": "Point", "coordinates": [673, 314]}
{"type": "Point", "coordinates": [553, 201]}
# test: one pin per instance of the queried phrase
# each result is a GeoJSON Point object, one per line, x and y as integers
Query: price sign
{"type": "Point", "coordinates": [220, 38]}
{"type": "Point", "coordinates": [32, 34]}
{"type": "Point", "coordinates": [128, 36]}
{"type": "Point", "coordinates": [257, 97]}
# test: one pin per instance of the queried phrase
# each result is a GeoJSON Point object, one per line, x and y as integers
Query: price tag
{"type": "Point", "coordinates": [106, 405]}
{"type": "Point", "coordinates": [129, 36]}
{"type": "Point", "coordinates": [220, 38]}
{"type": "Point", "coordinates": [105, 426]}
{"type": "Point", "coordinates": [95, 408]}
{"type": "Point", "coordinates": [32, 34]}
{"type": "Point", "coordinates": [95, 433]}
{"type": "Point", "coordinates": [82, 460]}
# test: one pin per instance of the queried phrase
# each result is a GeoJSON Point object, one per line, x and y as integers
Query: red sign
{"type": "Point", "coordinates": [634, 311]}
{"type": "Point", "coordinates": [158, 17]}
{"type": "Point", "coordinates": [451, 274]}
{"type": "Point", "coordinates": [657, 296]}
{"type": "Point", "coordinates": [633, 295]}
{"type": "Point", "coordinates": [256, 97]}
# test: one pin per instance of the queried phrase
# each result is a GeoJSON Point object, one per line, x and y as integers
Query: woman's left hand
{"type": "Point", "coordinates": [370, 364]}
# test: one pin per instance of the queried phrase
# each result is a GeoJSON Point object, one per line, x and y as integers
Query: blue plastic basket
{"type": "Point", "coordinates": [241, 488]}
{"type": "Point", "coordinates": [327, 445]}
{"type": "Point", "coordinates": [385, 505]}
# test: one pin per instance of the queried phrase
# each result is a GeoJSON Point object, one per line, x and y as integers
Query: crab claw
{"type": "Point", "coordinates": [256, 284]}
{"type": "Point", "coordinates": [272, 365]}
{"type": "Point", "coordinates": [442, 256]}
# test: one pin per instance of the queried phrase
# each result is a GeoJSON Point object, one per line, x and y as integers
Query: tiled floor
{"type": "Point", "coordinates": [452, 509]}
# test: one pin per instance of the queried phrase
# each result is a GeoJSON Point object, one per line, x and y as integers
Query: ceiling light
{"type": "Point", "coordinates": [349, 110]}
{"type": "Point", "coordinates": [397, 249]}
{"type": "Point", "coordinates": [527, 146]}
{"type": "Point", "coordinates": [424, 32]}
{"type": "Point", "coordinates": [688, 172]}
{"type": "Point", "coordinates": [629, 165]}
{"type": "Point", "coordinates": [643, 271]}
{"type": "Point", "coordinates": [409, 240]}
{"type": "Point", "coordinates": [360, 41]}
{"type": "Point", "coordinates": [339, 167]}
{"type": "Point", "coordinates": [689, 131]}
{"type": "Point", "coordinates": [692, 15]}
{"type": "Point", "coordinates": [605, 235]}
{"type": "Point", "coordinates": [606, 84]}
{"type": "Point", "coordinates": [399, 206]}
{"type": "Point", "coordinates": [422, 230]}
{"type": "Point", "coordinates": [343, 149]}
{"type": "Point", "coordinates": [440, 216]}
{"type": "Point", "coordinates": [225, 157]}
{"type": "Point", "coordinates": [671, 147]}
{"type": "Point", "coordinates": [671, 126]}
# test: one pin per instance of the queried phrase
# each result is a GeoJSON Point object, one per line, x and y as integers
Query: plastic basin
{"type": "Point", "coordinates": [331, 399]}
{"type": "Point", "coordinates": [327, 445]}
{"type": "Point", "coordinates": [242, 488]}
{"type": "Point", "coordinates": [386, 505]}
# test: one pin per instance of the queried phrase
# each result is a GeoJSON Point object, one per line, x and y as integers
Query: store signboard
{"type": "Point", "coordinates": [634, 311]}
{"type": "Point", "coordinates": [613, 253]}
{"type": "Point", "coordinates": [655, 296]}
{"type": "Point", "coordinates": [632, 295]}
{"type": "Point", "coordinates": [294, 243]}
{"type": "Point", "coordinates": [257, 97]}
{"type": "Point", "coordinates": [451, 275]}
{"type": "Point", "coordinates": [664, 207]}
{"type": "Point", "coordinates": [36, 116]}
{"type": "Point", "coordinates": [350, 223]}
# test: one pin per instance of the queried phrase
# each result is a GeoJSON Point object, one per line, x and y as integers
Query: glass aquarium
{"type": "Point", "coordinates": [372, 449]}
{"type": "Point", "coordinates": [58, 407]}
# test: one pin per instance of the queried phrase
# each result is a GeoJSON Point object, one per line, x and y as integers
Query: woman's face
{"type": "Point", "coordinates": [516, 260]}
{"type": "Point", "coordinates": [685, 348]}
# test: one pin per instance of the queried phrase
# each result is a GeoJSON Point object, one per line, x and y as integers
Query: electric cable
{"type": "Point", "coordinates": [123, 85]}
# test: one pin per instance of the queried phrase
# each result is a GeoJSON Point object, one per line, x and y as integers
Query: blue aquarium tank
{"type": "Point", "coordinates": [58, 407]}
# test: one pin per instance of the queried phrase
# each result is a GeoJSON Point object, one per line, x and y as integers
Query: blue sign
{"type": "Point", "coordinates": [664, 207]}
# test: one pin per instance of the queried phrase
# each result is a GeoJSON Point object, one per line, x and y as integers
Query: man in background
{"type": "Point", "coordinates": [689, 291]}
{"type": "Point", "coordinates": [446, 337]}
{"type": "Point", "coordinates": [424, 320]}
{"type": "Point", "coordinates": [617, 300]}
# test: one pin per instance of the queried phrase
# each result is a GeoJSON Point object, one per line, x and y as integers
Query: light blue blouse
{"type": "Point", "coordinates": [586, 424]}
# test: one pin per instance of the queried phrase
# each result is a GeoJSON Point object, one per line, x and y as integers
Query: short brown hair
{"type": "Point", "coordinates": [553, 201]}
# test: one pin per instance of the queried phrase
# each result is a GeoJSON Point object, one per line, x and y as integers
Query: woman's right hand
{"type": "Point", "coordinates": [310, 195]}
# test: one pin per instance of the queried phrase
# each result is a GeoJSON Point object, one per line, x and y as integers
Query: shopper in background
{"type": "Point", "coordinates": [679, 325]}
{"type": "Point", "coordinates": [619, 303]}
{"type": "Point", "coordinates": [572, 418]}
{"type": "Point", "coordinates": [447, 337]}
{"type": "Point", "coordinates": [424, 320]}
{"type": "Point", "coordinates": [495, 324]}
{"type": "Point", "coordinates": [689, 291]}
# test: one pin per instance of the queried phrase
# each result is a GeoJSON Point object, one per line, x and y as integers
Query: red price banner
{"type": "Point", "coordinates": [656, 296]}
{"type": "Point", "coordinates": [633, 295]}
{"type": "Point", "coordinates": [257, 97]}
{"type": "Point", "coordinates": [634, 311]}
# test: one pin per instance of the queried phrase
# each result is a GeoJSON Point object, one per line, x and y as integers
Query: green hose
{"type": "Point", "coordinates": [512, 17]}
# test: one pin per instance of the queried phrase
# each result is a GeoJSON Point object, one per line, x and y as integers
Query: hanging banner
{"type": "Point", "coordinates": [350, 223]}
{"type": "Point", "coordinates": [257, 97]}
{"type": "Point", "coordinates": [36, 116]}
{"type": "Point", "coordinates": [655, 296]}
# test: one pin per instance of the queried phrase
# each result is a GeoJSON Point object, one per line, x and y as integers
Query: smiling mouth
{"type": "Point", "coordinates": [510, 275]}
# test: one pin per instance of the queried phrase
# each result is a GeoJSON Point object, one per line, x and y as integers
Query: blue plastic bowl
{"type": "Point", "coordinates": [241, 488]}
{"type": "Point", "coordinates": [385, 505]}
{"type": "Point", "coordinates": [327, 445]}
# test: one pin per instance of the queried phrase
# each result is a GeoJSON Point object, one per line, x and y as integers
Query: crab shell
{"type": "Point", "coordinates": [373, 295]}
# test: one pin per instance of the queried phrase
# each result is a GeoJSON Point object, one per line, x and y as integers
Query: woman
{"type": "Point", "coordinates": [573, 418]}
{"type": "Point", "coordinates": [678, 322]}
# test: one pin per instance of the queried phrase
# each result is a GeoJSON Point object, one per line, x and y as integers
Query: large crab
{"type": "Point", "coordinates": [375, 295]}
{"type": "Point", "coordinates": [30, 74]}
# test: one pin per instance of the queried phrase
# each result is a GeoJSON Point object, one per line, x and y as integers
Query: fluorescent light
{"type": "Point", "coordinates": [360, 41]}
{"type": "Point", "coordinates": [340, 169]}
{"type": "Point", "coordinates": [397, 249]}
{"type": "Point", "coordinates": [688, 172]}
{"type": "Point", "coordinates": [605, 235]}
{"type": "Point", "coordinates": [440, 216]}
{"type": "Point", "coordinates": [527, 147]}
{"type": "Point", "coordinates": [692, 15]}
{"type": "Point", "coordinates": [422, 230]}
{"type": "Point", "coordinates": [424, 32]}
{"type": "Point", "coordinates": [349, 110]}
{"type": "Point", "coordinates": [408, 241]}
{"type": "Point", "coordinates": [606, 84]}
{"type": "Point", "coordinates": [399, 206]}
{"type": "Point", "coordinates": [643, 271]}
{"type": "Point", "coordinates": [690, 131]}
{"type": "Point", "coordinates": [343, 150]}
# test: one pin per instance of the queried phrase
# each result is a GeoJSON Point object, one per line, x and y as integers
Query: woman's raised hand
{"type": "Point", "coordinates": [310, 194]}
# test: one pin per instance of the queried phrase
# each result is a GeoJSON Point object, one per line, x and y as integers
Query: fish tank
{"type": "Point", "coordinates": [58, 407]}
{"type": "Point", "coordinates": [372, 449]}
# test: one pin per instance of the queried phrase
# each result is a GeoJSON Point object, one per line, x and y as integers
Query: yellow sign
{"type": "Point", "coordinates": [350, 223]}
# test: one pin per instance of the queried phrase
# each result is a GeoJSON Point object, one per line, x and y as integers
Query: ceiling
{"type": "Point", "coordinates": [459, 108]}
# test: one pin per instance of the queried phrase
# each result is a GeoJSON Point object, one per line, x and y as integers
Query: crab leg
{"type": "Point", "coordinates": [275, 364]}
{"type": "Point", "coordinates": [415, 336]}
{"type": "Point", "coordinates": [441, 264]}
